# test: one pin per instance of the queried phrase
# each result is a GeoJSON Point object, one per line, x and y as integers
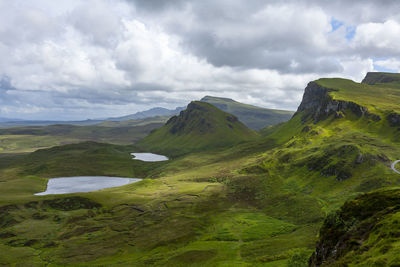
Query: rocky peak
{"type": "Point", "coordinates": [198, 117]}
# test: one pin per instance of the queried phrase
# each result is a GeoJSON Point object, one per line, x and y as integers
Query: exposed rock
{"type": "Point", "coordinates": [306, 129]}
{"type": "Point", "coordinates": [359, 159]}
{"type": "Point", "coordinates": [318, 105]}
{"type": "Point", "coordinates": [394, 119]}
{"type": "Point", "coordinates": [194, 111]}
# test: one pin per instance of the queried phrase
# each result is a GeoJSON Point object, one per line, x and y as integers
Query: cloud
{"type": "Point", "coordinates": [380, 37]}
{"type": "Point", "coordinates": [108, 58]}
{"type": "Point", "coordinates": [391, 64]}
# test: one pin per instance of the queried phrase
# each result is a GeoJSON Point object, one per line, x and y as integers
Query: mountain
{"type": "Point", "coordinates": [253, 117]}
{"type": "Point", "coordinates": [153, 112]}
{"type": "Point", "coordinates": [200, 126]}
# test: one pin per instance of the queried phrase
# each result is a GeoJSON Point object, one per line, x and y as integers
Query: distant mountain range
{"type": "Point", "coordinates": [253, 117]}
{"type": "Point", "coordinates": [8, 119]}
{"type": "Point", "coordinates": [153, 112]}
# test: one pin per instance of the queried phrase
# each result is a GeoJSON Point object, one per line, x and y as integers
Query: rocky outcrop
{"type": "Point", "coordinates": [317, 104]}
{"type": "Point", "coordinates": [394, 119]}
{"type": "Point", "coordinates": [193, 118]}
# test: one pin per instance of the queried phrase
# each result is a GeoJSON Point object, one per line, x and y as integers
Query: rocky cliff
{"type": "Point", "coordinates": [317, 105]}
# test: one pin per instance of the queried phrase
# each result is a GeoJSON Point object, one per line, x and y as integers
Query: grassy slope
{"type": "Point", "coordinates": [255, 204]}
{"type": "Point", "coordinates": [201, 126]}
{"type": "Point", "coordinates": [252, 116]}
{"type": "Point", "coordinates": [364, 232]}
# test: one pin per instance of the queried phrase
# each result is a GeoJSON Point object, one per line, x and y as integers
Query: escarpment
{"type": "Point", "coordinates": [317, 105]}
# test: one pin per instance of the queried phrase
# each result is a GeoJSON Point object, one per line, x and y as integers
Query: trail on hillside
{"type": "Point", "coordinates": [394, 165]}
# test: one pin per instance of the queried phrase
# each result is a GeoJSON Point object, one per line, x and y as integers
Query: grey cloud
{"type": "Point", "coordinates": [95, 21]}
{"type": "Point", "coordinates": [157, 5]}
{"type": "Point", "coordinates": [273, 45]}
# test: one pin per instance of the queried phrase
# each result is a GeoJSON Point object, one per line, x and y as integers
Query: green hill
{"type": "Point", "coordinates": [201, 126]}
{"type": "Point", "coordinates": [254, 117]}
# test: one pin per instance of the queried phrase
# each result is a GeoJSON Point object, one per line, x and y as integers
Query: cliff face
{"type": "Point", "coordinates": [317, 104]}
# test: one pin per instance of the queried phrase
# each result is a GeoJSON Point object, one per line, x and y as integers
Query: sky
{"type": "Point", "coordinates": [80, 59]}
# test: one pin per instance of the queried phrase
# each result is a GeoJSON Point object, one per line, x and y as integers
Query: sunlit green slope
{"type": "Point", "coordinates": [363, 232]}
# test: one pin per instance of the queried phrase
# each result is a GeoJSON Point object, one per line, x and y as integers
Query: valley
{"type": "Point", "coordinates": [228, 195]}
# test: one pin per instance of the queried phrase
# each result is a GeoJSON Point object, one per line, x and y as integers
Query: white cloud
{"type": "Point", "coordinates": [384, 37]}
{"type": "Point", "coordinates": [391, 64]}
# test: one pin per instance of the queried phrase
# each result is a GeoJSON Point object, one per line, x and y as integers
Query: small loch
{"type": "Point", "coordinates": [81, 184]}
{"type": "Point", "coordinates": [150, 157]}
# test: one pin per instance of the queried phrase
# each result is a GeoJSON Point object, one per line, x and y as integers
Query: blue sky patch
{"type": "Point", "coordinates": [383, 69]}
{"type": "Point", "coordinates": [350, 32]}
{"type": "Point", "coordinates": [336, 24]}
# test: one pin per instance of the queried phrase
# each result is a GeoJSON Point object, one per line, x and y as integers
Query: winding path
{"type": "Point", "coordinates": [393, 166]}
